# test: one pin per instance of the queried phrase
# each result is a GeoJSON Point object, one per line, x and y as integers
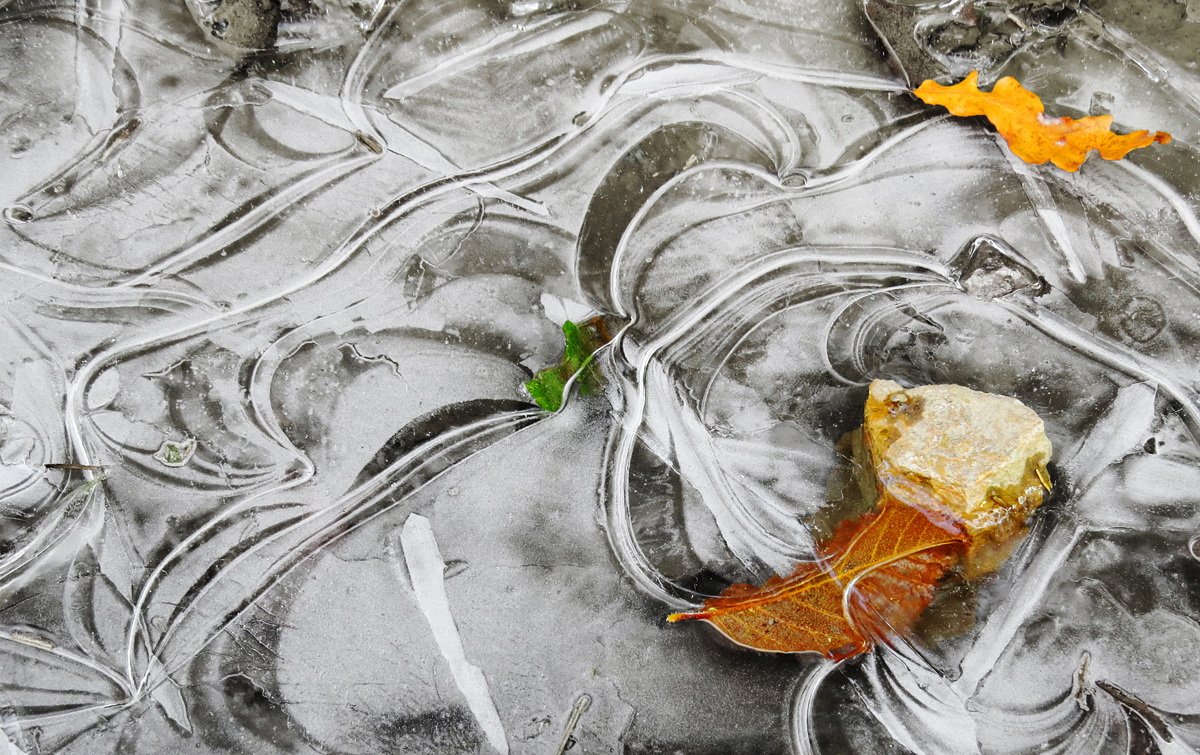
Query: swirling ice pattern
{"type": "Point", "coordinates": [328, 265]}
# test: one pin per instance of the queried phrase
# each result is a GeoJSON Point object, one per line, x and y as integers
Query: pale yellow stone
{"type": "Point", "coordinates": [965, 457]}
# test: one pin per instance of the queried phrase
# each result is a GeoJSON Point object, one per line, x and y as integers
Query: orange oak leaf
{"type": "Point", "coordinates": [876, 575]}
{"type": "Point", "coordinates": [1020, 117]}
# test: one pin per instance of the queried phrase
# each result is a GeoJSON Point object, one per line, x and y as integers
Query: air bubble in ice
{"type": "Point", "coordinates": [1143, 319]}
{"type": "Point", "coordinates": [18, 214]}
{"type": "Point", "coordinates": [1102, 103]}
{"type": "Point", "coordinates": [988, 268]}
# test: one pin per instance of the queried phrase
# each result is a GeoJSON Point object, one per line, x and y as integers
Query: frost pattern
{"type": "Point", "coordinates": [275, 278]}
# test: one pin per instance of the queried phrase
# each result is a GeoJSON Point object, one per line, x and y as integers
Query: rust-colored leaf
{"type": "Point", "coordinates": [951, 476]}
{"type": "Point", "coordinates": [1020, 117]}
{"type": "Point", "coordinates": [876, 575]}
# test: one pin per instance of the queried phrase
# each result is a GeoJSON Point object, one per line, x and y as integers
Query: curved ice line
{"type": "Point", "coordinates": [590, 19]}
{"type": "Point", "coordinates": [731, 286]}
{"type": "Point", "coordinates": [102, 298]}
{"type": "Point", "coordinates": [263, 213]}
{"type": "Point", "coordinates": [821, 185]}
{"type": "Point", "coordinates": [416, 196]}
{"type": "Point", "coordinates": [757, 171]}
{"type": "Point", "coordinates": [49, 534]}
{"type": "Point", "coordinates": [609, 108]}
{"type": "Point", "coordinates": [42, 718]}
{"type": "Point", "coordinates": [946, 283]}
{"type": "Point", "coordinates": [268, 362]}
{"type": "Point", "coordinates": [180, 297]}
{"type": "Point", "coordinates": [798, 75]}
{"type": "Point", "coordinates": [1045, 207]}
{"type": "Point", "coordinates": [856, 347]}
{"type": "Point", "coordinates": [1186, 212]}
{"type": "Point", "coordinates": [553, 146]}
{"type": "Point", "coordinates": [138, 629]}
{"type": "Point", "coordinates": [338, 511]}
{"type": "Point", "coordinates": [370, 488]}
{"type": "Point", "coordinates": [573, 141]}
{"type": "Point", "coordinates": [788, 73]}
{"type": "Point", "coordinates": [563, 28]}
{"type": "Point", "coordinates": [812, 76]}
{"type": "Point", "coordinates": [350, 97]}
{"type": "Point", "coordinates": [639, 218]}
{"type": "Point", "coordinates": [1169, 73]}
{"type": "Point", "coordinates": [803, 701]}
{"type": "Point", "coordinates": [1138, 366]}
{"type": "Point", "coordinates": [829, 325]}
{"type": "Point", "coordinates": [436, 187]}
{"type": "Point", "coordinates": [260, 386]}
{"type": "Point", "coordinates": [917, 706]}
{"type": "Point", "coordinates": [1047, 716]}
{"type": "Point", "coordinates": [352, 85]}
{"type": "Point", "coordinates": [794, 150]}
{"type": "Point", "coordinates": [620, 528]}
{"type": "Point", "coordinates": [113, 354]}
{"type": "Point", "coordinates": [78, 660]}
{"type": "Point", "coordinates": [70, 15]}
{"type": "Point", "coordinates": [998, 633]}
{"type": "Point", "coordinates": [548, 148]}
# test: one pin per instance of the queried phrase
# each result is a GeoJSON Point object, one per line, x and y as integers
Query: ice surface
{"type": "Point", "coordinates": [426, 574]}
{"type": "Point", "coordinates": [275, 274]}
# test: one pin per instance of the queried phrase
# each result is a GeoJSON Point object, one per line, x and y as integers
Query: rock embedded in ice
{"type": "Point", "coordinates": [965, 457]}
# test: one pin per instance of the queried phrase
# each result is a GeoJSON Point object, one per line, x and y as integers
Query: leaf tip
{"type": "Point", "coordinates": [678, 617]}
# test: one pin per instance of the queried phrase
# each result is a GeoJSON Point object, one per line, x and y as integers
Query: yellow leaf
{"type": "Point", "coordinates": [1020, 117]}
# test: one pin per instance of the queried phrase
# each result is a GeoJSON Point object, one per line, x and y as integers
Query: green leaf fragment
{"type": "Point", "coordinates": [582, 340]}
{"type": "Point", "coordinates": [176, 453]}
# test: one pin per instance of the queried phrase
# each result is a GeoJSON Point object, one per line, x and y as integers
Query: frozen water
{"type": "Point", "coordinates": [276, 273]}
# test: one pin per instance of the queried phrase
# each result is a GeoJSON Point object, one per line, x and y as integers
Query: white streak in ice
{"type": "Point", "coordinates": [426, 571]}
